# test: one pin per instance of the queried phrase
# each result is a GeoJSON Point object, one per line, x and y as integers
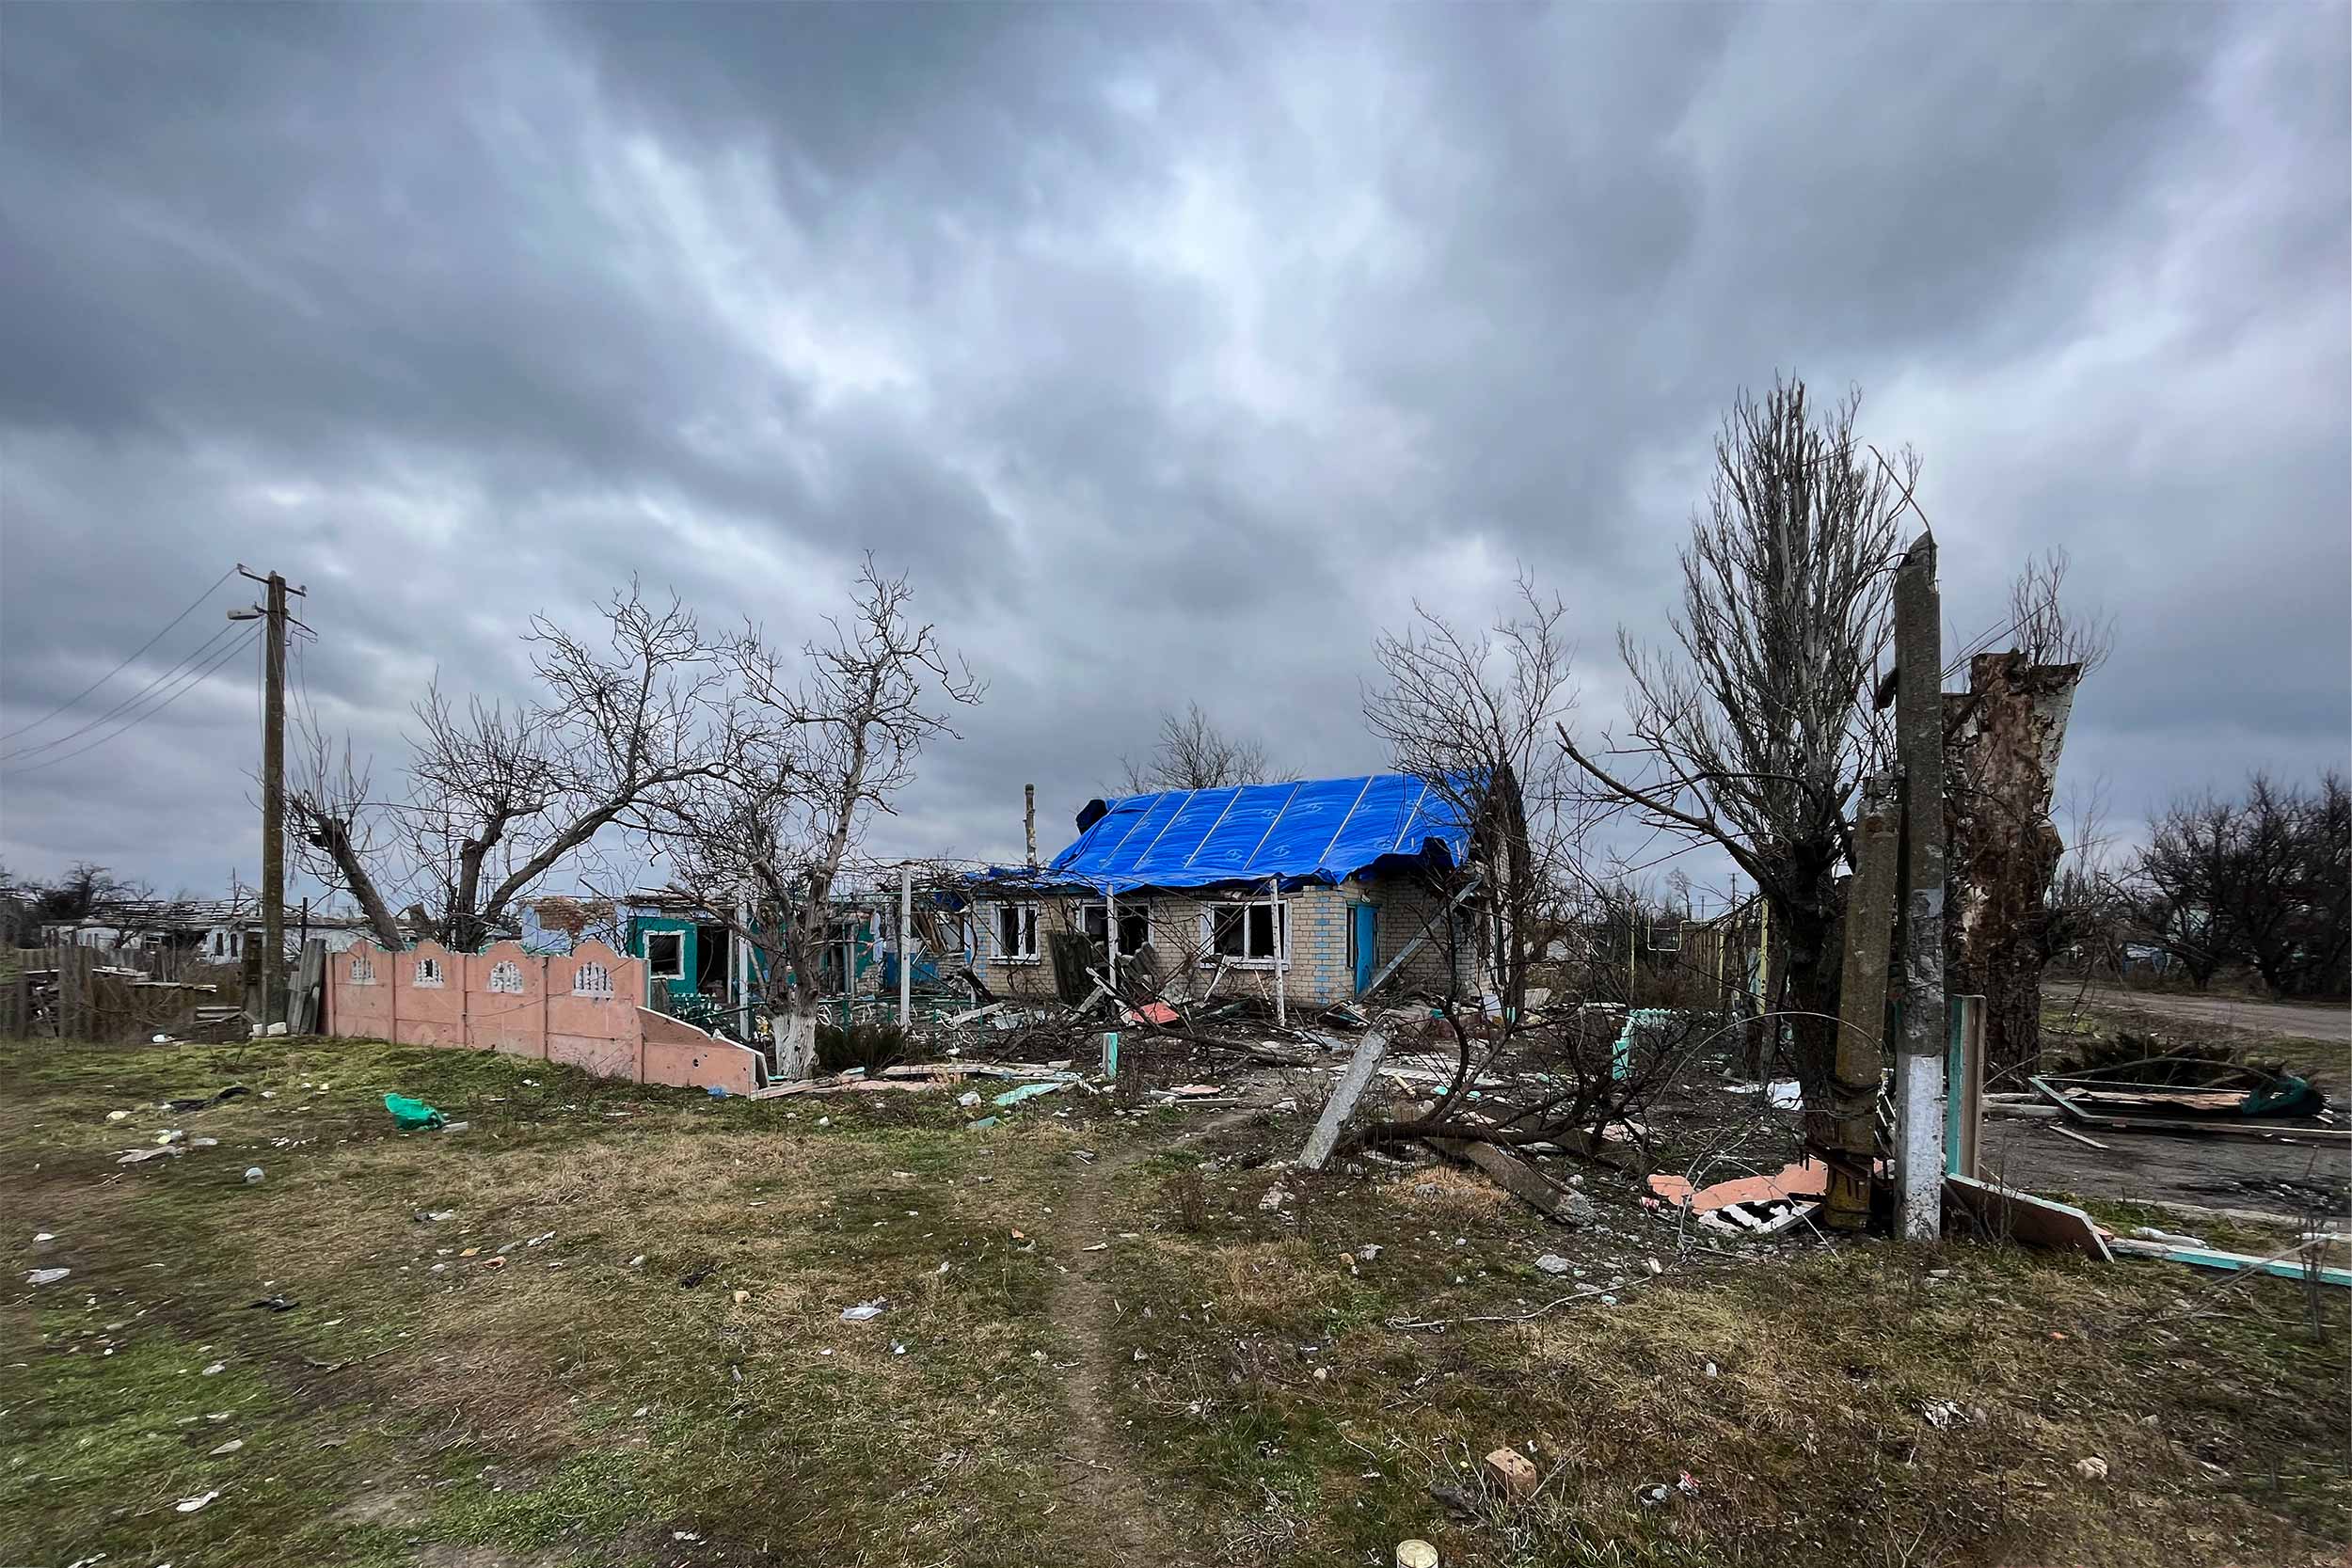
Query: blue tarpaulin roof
{"type": "Point", "coordinates": [1316, 831]}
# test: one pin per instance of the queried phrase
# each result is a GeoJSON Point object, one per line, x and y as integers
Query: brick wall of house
{"type": "Point", "coordinates": [1316, 975]}
{"type": "Point", "coordinates": [1409, 907]}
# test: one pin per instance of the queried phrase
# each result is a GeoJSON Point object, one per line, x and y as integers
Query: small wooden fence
{"type": "Point", "coordinates": [110, 995]}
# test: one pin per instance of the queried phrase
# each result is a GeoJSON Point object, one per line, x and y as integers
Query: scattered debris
{"type": "Point", "coordinates": [2006, 1213]}
{"type": "Point", "coordinates": [46, 1276]}
{"type": "Point", "coordinates": [252, 1174]}
{"type": "Point", "coordinates": [1552, 1262]}
{"type": "Point", "coordinates": [411, 1115]}
{"type": "Point", "coordinates": [1808, 1177]}
{"type": "Point", "coordinates": [2091, 1468]}
{"type": "Point", "coordinates": [1513, 1472]}
{"type": "Point", "coordinates": [229, 1448]}
{"type": "Point", "coordinates": [866, 1311]}
{"type": "Point", "coordinates": [189, 1505]}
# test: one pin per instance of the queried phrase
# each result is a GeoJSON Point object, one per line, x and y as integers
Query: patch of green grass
{"type": "Point", "coordinates": [560, 1405]}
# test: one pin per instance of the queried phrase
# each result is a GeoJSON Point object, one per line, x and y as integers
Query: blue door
{"type": "Point", "coordinates": [1363, 928]}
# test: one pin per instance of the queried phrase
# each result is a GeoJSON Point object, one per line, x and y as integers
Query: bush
{"type": "Point", "coordinates": [872, 1046]}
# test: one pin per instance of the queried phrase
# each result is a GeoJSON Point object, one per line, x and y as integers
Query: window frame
{"type": "Point", "coordinates": [652, 968]}
{"type": "Point", "coordinates": [1238, 909]}
{"type": "Point", "coordinates": [1097, 914]}
{"type": "Point", "coordinates": [1027, 923]}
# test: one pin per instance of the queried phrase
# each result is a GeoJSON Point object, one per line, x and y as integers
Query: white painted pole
{"type": "Point", "coordinates": [743, 970]}
{"type": "Point", "coordinates": [906, 944]}
{"type": "Point", "coordinates": [1919, 745]}
{"type": "Point", "coordinates": [1281, 943]}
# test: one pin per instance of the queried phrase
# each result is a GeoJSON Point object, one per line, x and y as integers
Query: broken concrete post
{"type": "Point", "coordinates": [1325, 1137]}
{"type": "Point", "coordinates": [1862, 1005]}
{"type": "Point", "coordinates": [1028, 796]}
{"type": "Point", "coordinates": [1562, 1205]}
{"type": "Point", "coordinates": [1919, 746]}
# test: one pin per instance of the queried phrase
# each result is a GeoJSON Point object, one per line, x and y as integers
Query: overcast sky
{"type": "Point", "coordinates": [1174, 353]}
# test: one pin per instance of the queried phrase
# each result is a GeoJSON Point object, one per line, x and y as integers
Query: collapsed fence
{"type": "Point", "coordinates": [115, 996]}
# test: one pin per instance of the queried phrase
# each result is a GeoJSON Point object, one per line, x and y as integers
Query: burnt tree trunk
{"type": "Point", "coordinates": [2004, 736]}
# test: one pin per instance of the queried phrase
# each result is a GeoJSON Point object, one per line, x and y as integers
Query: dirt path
{"type": "Point", "coordinates": [1111, 1513]}
{"type": "Point", "coordinates": [2299, 1020]}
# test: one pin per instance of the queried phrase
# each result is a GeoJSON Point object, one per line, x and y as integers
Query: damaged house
{"type": "Point", "coordinates": [1317, 890]}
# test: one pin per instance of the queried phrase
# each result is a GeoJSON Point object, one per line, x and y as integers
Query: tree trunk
{"type": "Point", "coordinates": [1809, 998]}
{"type": "Point", "coordinates": [2005, 737]}
{"type": "Point", "coordinates": [793, 1036]}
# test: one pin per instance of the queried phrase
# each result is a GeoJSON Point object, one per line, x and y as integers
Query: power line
{"type": "Point", "coordinates": [203, 649]}
{"type": "Point", "coordinates": [194, 678]}
{"type": "Point", "coordinates": [110, 675]}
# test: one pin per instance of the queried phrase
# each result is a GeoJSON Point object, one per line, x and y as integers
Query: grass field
{"type": "Point", "coordinates": [1098, 1346]}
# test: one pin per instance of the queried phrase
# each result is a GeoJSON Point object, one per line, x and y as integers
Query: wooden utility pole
{"type": "Point", "coordinates": [1919, 746]}
{"type": "Point", "coordinates": [273, 890]}
{"type": "Point", "coordinates": [1862, 1005]}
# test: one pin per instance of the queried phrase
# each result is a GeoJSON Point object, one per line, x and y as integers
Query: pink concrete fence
{"type": "Point", "coordinates": [577, 1009]}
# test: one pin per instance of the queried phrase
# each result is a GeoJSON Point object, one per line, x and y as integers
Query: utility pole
{"type": "Point", "coordinates": [1028, 814]}
{"type": "Point", "coordinates": [273, 618]}
{"type": "Point", "coordinates": [1919, 746]}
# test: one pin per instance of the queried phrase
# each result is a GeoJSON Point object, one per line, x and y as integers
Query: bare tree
{"type": "Point", "coordinates": [830, 736]}
{"type": "Point", "coordinates": [1193, 753]}
{"type": "Point", "coordinates": [498, 795]}
{"type": "Point", "coordinates": [2264, 880]}
{"type": "Point", "coordinates": [1471, 715]}
{"type": "Point", "coordinates": [1475, 716]}
{"type": "Point", "coordinates": [1755, 731]}
{"type": "Point", "coordinates": [2045, 629]}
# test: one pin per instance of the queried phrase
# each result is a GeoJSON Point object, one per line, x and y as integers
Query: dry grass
{"type": "Point", "coordinates": [1857, 1404]}
{"type": "Point", "coordinates": [1438, 1194]}
{"type": "Point", "coordinates": [576, 1404]}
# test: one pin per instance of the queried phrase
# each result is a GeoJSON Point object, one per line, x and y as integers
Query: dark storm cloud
{"type": "Point", "coordinates": [1172, 351]}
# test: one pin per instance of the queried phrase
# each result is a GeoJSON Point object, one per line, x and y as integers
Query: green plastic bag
{"type": "Point", "coordinates": [411, 1114]}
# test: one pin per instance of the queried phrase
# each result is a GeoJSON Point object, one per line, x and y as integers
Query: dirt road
{"type": "Point", "coordinates": [2330, 1024]}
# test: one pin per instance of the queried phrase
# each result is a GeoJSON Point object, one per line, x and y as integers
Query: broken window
{"type": "Point", "coordinates": [1016, 933]}
{"type": "Point", "coordinates": [428, 972]}
{"type": "Point", "coordinates": [507, 975]}
{"type": "Point", "coordinates": [1135, 925]}
{"type": "Point", "coordinates": [592, 980]}
{"type": "Point", "coordinates": [710, 960]}
{"type": "Point", "coordinates": [1255, 932]}
{"type": "Point", "coordinates": [665, 955]}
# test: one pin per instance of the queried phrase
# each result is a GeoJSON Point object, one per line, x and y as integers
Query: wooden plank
{"type": "Point", "coordinates": [2069, 1133]}
{"type": "Point", "coordinates": [2234, 1262]}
